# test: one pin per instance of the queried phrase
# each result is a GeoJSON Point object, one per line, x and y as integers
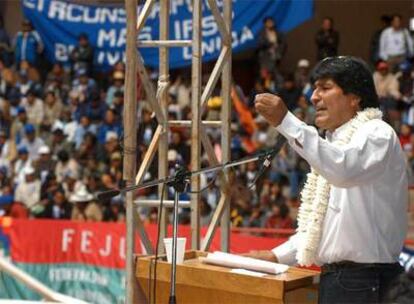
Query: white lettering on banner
{"type": "Point", "coordinates": [114, 57]}
{"type": "Point", "coordinates": [104, 36]}
{"type": "Point", "coordinates": [145, 34]}
{"type": "Point", "coordinates": [184, 28]}
{"type": "Point", "coordinates": [85, 241]}
{"type": "Point", "coordinates": [93, 296]}
{"type": "Point", "coordinates": [88, 16]}
{"type": "Point", "coordinates": [177, 30]}
{"type": "Point", "coordinates": [187, 30]}
{"type": "Point", "coordinates": [122, 248]}
{"type": "Point", "coordinates": [212, 45]}
{"type": "Point", "coordinates": [107, 250]}
{"type": "Point", "coordinates": [123, 280]}
{"type": "Point", "coordinates": [67, 238]}
{"type": "Point", "coordinates": [111, 15]}
{"type": "Point", "coordinates": [111, 38]}
{"type": "Point", "coordinates": [121, 16]}
{"type": "Point", "coordinates": [57, 10]}
{"type": "Point", "coordinates": [122, 38]}
{"type": "Point", "coordinates": [209, 26]}
{"type": "Point", "coordinates": [174, 5]}
{"type": "Point", "coordinates": [155, 11]}
{"type": "Point", "coordinates": [79, 13]}
{"type": "Point", "coordinates": [62, 51]}
{"type": "Point", "coordinates": [29, 4]}
{"type": "Point", "coordinates": [74, 12]}
{"type": "Point", "coordinates": [110, 57]}
{"type": "Point", "coordinates": [40, 5]}
{"type": "Point", "coordinates": [246, 35]}
{"type": "Point", "coordinates": [60, 274]}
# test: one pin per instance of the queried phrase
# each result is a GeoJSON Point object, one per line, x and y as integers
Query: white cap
{"type": "Point", "coordinates": [81, 195]}
{"type": "Point", "coordinates": [44, 150]}
{"type": "Point", "coordinates": [71, 174]}
{"type": "Point", "coordinates": [172, 155]}
{"type": "Point", "coordinates": [303, 63]}
{"type": "Point", "coordinates": [29, 170]}
{"type": "Point", "coordinates": [111, 135]}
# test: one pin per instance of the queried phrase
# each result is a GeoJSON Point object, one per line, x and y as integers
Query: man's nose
{"type": "Point", "coordinates": [315, 97]}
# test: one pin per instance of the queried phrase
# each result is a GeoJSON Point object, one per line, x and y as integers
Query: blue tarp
{"type": "Point", "coordinates": [59, 23]}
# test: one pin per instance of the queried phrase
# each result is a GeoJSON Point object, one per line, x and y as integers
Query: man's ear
{"type": "Point", "coordinates": [355, 102]}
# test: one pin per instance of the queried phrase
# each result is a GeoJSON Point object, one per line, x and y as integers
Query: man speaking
{"type": "Point", "coordinates": [352, 220]}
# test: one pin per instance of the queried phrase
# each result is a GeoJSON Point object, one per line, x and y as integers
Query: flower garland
{"type": "Point", "coordinates": [315, 197]}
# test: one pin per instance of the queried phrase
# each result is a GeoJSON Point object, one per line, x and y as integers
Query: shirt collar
{"type": "Point", "coordinates": [338, 132]}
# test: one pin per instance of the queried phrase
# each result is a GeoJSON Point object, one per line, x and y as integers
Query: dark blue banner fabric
{"type": "Point", "coordinates": [59, 24]}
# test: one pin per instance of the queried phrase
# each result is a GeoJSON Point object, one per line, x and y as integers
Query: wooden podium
{"type": "Point", "coordinates": [197, 282]}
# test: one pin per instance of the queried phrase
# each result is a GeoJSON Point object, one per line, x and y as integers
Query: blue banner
{"type": "Point", "coordinates": [59, 24]}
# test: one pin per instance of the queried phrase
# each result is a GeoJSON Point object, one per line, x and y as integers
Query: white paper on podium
{"type": "Point", "coordinates": [248, 272]}
{"type": "Point", "coordinates": [236, 261]}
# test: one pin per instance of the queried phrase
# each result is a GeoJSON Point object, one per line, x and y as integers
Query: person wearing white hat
{"type": "Point", "coordinates": [85, 207]}
{"type": "Point", "coordinates": [302, 73]}
{"type": "Point", "coordinates": [7, 150]}
{"type": "Point", "coordinates": [28, 192]}
{"type": "Point", "coordinates": [44, 164]}
{"type": "Point", "coordinates": [117, 86]}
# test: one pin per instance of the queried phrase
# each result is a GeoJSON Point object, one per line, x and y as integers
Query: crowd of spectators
{"type": "Point", "coordinates": [61, 128]}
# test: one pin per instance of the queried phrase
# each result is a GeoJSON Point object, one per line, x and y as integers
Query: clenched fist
{"type": "Point", "coordinates": [271, 107]}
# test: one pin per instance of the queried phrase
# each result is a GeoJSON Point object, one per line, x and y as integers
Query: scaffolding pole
{"type": "Point", "coordinates": [199, 136]}
{"type": "Point", "coordinates": [130, 146]}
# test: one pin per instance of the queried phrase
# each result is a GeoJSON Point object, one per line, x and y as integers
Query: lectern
{"type": "Point", "coordinates": [199, 283]}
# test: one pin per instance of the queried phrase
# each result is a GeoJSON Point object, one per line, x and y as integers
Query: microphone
{"type": "Point", "coordinates": [267, 158]}
{"type": "Point", "coordinates": [280, 142]}
{"type": "Point", "coordinates": [104, 195]}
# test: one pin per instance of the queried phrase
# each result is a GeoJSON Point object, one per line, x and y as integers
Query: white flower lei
{"type": "Point", "coordinates": [315, 197]}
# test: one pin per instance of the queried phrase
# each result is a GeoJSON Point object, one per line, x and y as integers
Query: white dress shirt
{"type": "Point", "coordinates": [366, 220]}
{"type": "Point", "coordinates": [28, 193]}
{"type": "Point", "coordinates": [395, 43]}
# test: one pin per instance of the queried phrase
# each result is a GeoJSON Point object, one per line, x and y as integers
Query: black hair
{"type": "Point", "coordinates": [63, 156]}
{"type": "Point", "coordinates": [119, 94]}
{"type": "Point", "coordinates": [386, 19]}
{"type": "Point", "coordinates": [284, 210]}
{"type": "Point", "coordinates": [32, 92]}
{"type": "Point", "coordinates": [328, 18]}
{"type": "Point", "coordinates": [396, 16]}
{"type": "Point", "coordinates": [51, 92]}
{"type": "Point", "coordinates": [289, 77]}
{"type": "Point", "coordinates": [352, 75]}
{"type": "Point", "coordinates": [83, 36]}
{"type": "Point", "coordinates": [265, 19]}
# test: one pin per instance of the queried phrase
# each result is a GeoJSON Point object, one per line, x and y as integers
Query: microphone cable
{"type": "Point", "coordinates": [158, 240]}
{"type": "Point", "coordinates": [152, 288]}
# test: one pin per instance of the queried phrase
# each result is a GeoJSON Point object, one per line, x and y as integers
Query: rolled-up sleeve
{"type": "Point", "coordinates": [286, 253]}
{"type": "Point", "coordinates": [362, 160]}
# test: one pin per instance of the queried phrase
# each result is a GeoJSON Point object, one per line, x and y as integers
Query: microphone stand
{"type": "Point", "coordinates": [179, 184]}
{"type": "Point", "coordinates": [179, 181]}
{"type": "Point", "coordinates": [265, 156]}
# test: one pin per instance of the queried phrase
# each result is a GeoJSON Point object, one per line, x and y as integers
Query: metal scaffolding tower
{"type": "Point", "coordinates": [159, 142]}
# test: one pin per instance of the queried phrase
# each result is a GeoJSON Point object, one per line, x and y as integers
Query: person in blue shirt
{"type": "Point", "coordinates": [27, 45]}
{"type": "Point", "coordinates": [5, 49]}
{"type": "Point", "coordinates": [109, 124]}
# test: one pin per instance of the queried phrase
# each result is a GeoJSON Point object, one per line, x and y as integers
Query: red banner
{"type": "Point", "coordinates": [101, 244]}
